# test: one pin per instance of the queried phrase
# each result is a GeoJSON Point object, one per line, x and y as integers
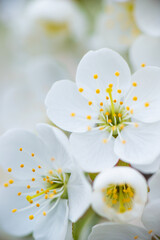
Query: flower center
{"type": "Point", "coordinates": [119, 197]}
{"type": "Point", "coordinates": [54, 27]}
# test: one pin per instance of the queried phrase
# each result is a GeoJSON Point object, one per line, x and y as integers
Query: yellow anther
{"type": "Point", "coordinates": [105, 140]}
{"type": "Point", "coordinates": [9, 169]}
{"type": "Point", "coordinates": [150, 231]}
{"type": "Point", "coordinates": [31, 202]}
{"type": "Point", "coordinates": [143, 65]}
{"type": "Point", "coordinates": [114, 201]}
{"type": "Point", "coordinates": [134, 84]}
{"type": "Point", "coordinates": [44, 213]}
{"type": "Point", "coordinates": [114, 115]}
{"type": "Point", "coordinates": [89, 128]}
{"type": "Point", "coordinates": [37, 191]}
{"type": "Point", "coordinates": [146, 104]}
{"type": "Point", "coordinates": [39, 166]}
{"type": "Point", "coordinates": [101, 103]}
{"type": "Point", "coordinates": [51, 195]}
{"type": "Point", "coordinates": [135, 98]}
{"type": "Point", "coordinates": [135, 237]}
{"type": "Point", "coordinates": [107, 113]}
{"type": "Point", "coordinates": [37, 205]}
{"type": "Point", "coordinates": [46, 196]}
{"type": "Point", "coordinates": [44, 179]}
{"type": "Point", "coordinates": [50, 172]}
{"type": "Point", "coordinates": [121, 126]}
{"type": "Point", "coordinates": [14, 210]}
{"type": "Point", "coordinates": [32, 154]}
{"type": "Point", "coordinates": [110, 85]}
{"type": "Point", "coordinates": [54, 191]}
{"type": "Point", "coordinates": [31, 217]}
{"type": "Point", "coordinates": [127, 108]}
{"type": "Point", "coordinates": [123, 141]}
{"type": "Point", "coordinates": [11, 181]}
{"type": "Point", "coordinates": [47, 177]}
{"type": "Point", "coordinates": [52, 158]}
{"type": "Point", "coordinates": [29, 198]}
{"type": "Point", "coordinates": [95, 76]}
{"type": "Point", "coordinates": [89, 117]}
{"type": "Point", "coordinates": [109, 192]}
{"type": "Point", "coordinates": [119, 91]}
{"type": "Point", "coordinates": [101, 110]}
{"type": "Point", "coordinates": [5, 185]}
{"type": "Point", "coordinates": [90, 103]}
{"type": "Point", "coordinates": [72, 114]}
{"type": "Point", "coordinates": [119, 115]}
{"type": "Point", "coordinates": [107, 98]}
{"type": "Point", "coordinates": [136, 125]}
{"type": "Point", "coordinates": [109, 120]}
{"type": "Point", "coordinates": [109, 90]}
{"type": "Point", "coordinates": [131, 111]}
{"type": "Point", "coordinates": [117, 74]}
{"type": "Point", "coordinates": [22, 165]}
{"type": "Point", "coordinates": [33, 179]}
{"type": "Point", "coordinates": [28, 186]}
{"type": "Point", "coordinates": [33, 170]}
{"type": "Point", "coordinates": [42, 189]}
{"type": "Point", "coordinates": [59, 170]}
{"type": "Point", "coordinates": [97, 91]}
{"type": "Point", "coordinates": [19, 194]}
{"type": "Point", "coordinates": [114, 100]}
{"type": "Point", "coordinates": [81, 89]}
{"type": "Point", "coordinates": [20, 149]}
{"type": "Point", "coordinates": [115, 190]}
{"type": "Point", "coordinates": [114, 128]}
{"type": "Point", "coordinates": [121, 103]}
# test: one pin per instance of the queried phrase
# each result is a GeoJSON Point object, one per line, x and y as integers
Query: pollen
{"type": "Point", "coordinates": [81, 89]}
{"type": "Point", "coordinates": [114, 100]}
{"type": "Point", "coordinates": [135, 237]}
{"type": "Point", "coordinates": [44, 213]}
{"type": "Point", "coordinates": [109, 120]}
{"type": "Point", "coordinates": [127, 108]}
{"type": "Point", "coordinates": [73, 114]}
{"type": "Point", "coordinates": [89, 117]}
{"type": "Point", "coordinates": [110, 85]}
{"type": "Point", "coordinates": [134, 84]}
{"type": "Point", "coordinates": [97, 91]}
{"type": "Point", "coordinates": [39, 166]}
{"type": "Point", "coordinates": [54, 191]}
{"type": "Point", "coordinates": [33, 179]}
{"type": "Point", "coordinates": [46, 196]}
{"type": "Point", "coordinates": [135, 98]}
{"type": "Point", "coordinates": [119, 91]}
{"type": "Point", "coordinates": [107, 98]}
{"type": "Point", "coordinates": [143, 65]}
{"type": "Point", "coordinates": [101, 103]}
{"type": "Point", "coordinates": [9, 169]}
{"type": "Point", "coordinates": [5, 185]}
{"type": "Point", "coordinates": [33, 170]}
{"type": "Point", "coordinates": [95, 76]}
{"type": "Point", "coordinates": [90, 103]}
{"type": "Point", "coordinates": [31, 217]}
{"type": "Point", "coordinates": [107, 113]}
{"type": "Point", "coordinates": [105, 140]}
{"type": "Point", "coordinates": [22, 165]}
{"type": "Point", "coordinates": [11, 181]}
{"type": "Point", "coordinates": [19, 194]}
{"type": "Point", "coordinates": [14, 210]}
{"type": "Point", "coordinates": [117, 74]}
{"type": "Point", "coordinates": [150, 231]}
{"type": "Point", "coordinates": [146, 104]}
{"type": "Point", "coordinates": [101, 110]}
{"type": "Point", "coordinates": [32, 154]}
{"type": "Point", "coordinates": [20, 149]}
{"type": "Point", "coordinates": [31, 202]}
{"type": "Point", "coordinates": [121, 103]}
{"type": "Point", "coordinates": [37, 205]}
{"type": "Point", "coordinates": [28, 186]}
{"type": "Point", "coordinates": [123, 141]}
{"type": "Point", "coordinates": [119, 115]}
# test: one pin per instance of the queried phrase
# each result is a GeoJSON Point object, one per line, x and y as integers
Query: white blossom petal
{"type": "Point", "coordinates": [154, 182]}
{"type": "Point", "coordinates": [149, 168]}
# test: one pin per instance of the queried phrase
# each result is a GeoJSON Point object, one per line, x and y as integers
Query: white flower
{"type": "Point", "coordinates": [145, 49]}
{"type": "Point", "coordinates": [150, 219]}
{"type": "Point", "coordinates": [113, 115]}
{"type": "Point", "coordinates": [50, 24]}
{"type": "Point", "coordinates": [121, 22]}
{"type": "Point", "coordinates": [119, 194]}
{"type": "Point", "coordinates": [46, 190]}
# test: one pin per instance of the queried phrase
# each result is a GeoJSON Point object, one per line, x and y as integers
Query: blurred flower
{"type": "Point", "coordinates": [46, 186]}
{"type": "Point", "coordinates": [121, 22]}
{"type": "Point", "coordinates": [120, 194]}
{"type": "Point", "coordinates": [107, 123]}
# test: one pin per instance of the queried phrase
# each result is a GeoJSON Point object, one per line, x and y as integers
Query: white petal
{"type": "Point", "coordinates": [150, 217]}
{"type": "Point", "coordinates": [17, 223]}
{"type": "Point", "coordinates": [145, 49]}
{"type": "Point", "coordinates": [118, 176]}
{"type": "Point", "coordinates": [149, 168]}
{"type": "Point", "coordinates": [54, 224]}
{"type": "Point", "coordinates": [69, 232]}
{"type": "Point", "coordinates": [154, 182]}
{"type": "Point", "coordinates": [12, 157]}
{"type": "Point", "coordinates": [147, 16]}
{"type": "Point", "coordinates": [79, 193]}
{"type": "Point", "coordinates": [64, 99]}
{"type": "Point", "coordinates": [141, 144]}
{"type": "Point", "coordinates": [58, 146]}
{"type": "Point", "coordinates": [92, 151]}
{"type": "Point", "coordinates": [118, 232]}
{"type": "Point", "coordinates": [104, 62]}
{"type": "Point", "coordinates": [147, 91]}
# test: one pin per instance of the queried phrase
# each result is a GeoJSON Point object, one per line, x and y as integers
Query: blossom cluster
{"type": "Point", "coordinates": [91, 169]}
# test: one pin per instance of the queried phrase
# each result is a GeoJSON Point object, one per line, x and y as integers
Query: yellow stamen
{"type": "Point", "coordinates": [143, 65]}
{"type": "Point", "coordinates": [89, 117]}
{"type": "Point", "coordinates": [81, 89]}
{"type": "Point", "coordinates": [14, 210]}
{"type": "Point", "coordinates": [97, 91]}
{"type": "Point", "coordinates": [134, 84]}
{"type": "Point", "coordinates": [95, 76]}
{"type": "Point", "coordinates": [72, 114]}
{"type": "Point", "coordinates": [90, 103]}
{"type": "Point", "coordinates": [31, 217]}
{"type": "Point", "coordinates": [9, 169]}
{"type": "Point", "coordinates": [11, 181]}
{"type": "Point", "coordinates": [146, 104]}
{"type": "Point", "coordinates": [117, 74]}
